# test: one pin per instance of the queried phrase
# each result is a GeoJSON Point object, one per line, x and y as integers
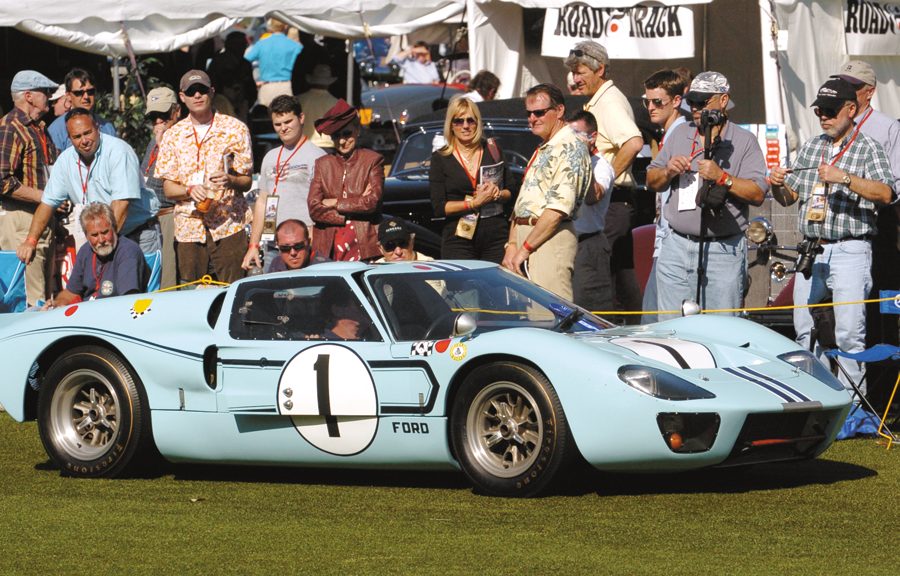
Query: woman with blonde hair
{"type": "Point", "coordinates": [469, 185]}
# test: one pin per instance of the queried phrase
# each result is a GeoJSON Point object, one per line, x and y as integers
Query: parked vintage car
{"type": "Point", "coordinates": [418, 365]}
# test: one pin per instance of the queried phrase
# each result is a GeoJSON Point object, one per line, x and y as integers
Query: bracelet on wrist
{"type": "Point", "coordinates": [528, 247]}
{"type": "Point", "coordinates": [31, 241]}
{"type": "Point", "coordinates": [254, 245]}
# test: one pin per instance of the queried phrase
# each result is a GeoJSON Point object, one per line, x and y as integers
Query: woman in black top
{"type": "Point", "coordinates": [469, 185]}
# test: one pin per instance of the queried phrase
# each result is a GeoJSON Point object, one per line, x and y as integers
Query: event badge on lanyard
{"type": "Point", "coordinates": [815, 210]}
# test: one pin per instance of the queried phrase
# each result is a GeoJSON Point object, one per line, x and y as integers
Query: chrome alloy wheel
{"type": "Point", "coordinates": [84, 414]}
{"type": "Point", "coordinates": [505, 429]}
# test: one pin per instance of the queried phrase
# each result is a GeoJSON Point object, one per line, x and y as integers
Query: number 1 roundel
{"type": "Point", "coordinates": [329, 394]}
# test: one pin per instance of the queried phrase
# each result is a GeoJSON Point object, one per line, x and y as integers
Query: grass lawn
{"type": "Point", "coordinates": [834, 515]}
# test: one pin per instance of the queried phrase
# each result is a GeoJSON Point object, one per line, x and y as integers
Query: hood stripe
{"type": "Point", "coordinates": [782, 385]}
{"type": "Point", "coordinates": [671, 350]}
{"type": "Point", "coordinates": [771, 389]}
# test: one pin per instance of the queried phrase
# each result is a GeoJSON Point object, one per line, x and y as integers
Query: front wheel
{"type": "Point", "coordinates": [93, 415]}
{"type": "Point", "coordinates": [508, 430]}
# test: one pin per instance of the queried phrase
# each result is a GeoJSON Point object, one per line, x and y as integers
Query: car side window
{"type": "Point", "coordinates": [299, 309]}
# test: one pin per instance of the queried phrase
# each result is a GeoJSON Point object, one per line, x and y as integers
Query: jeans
{"type": "Point", "coordinates": [650, 299]}
{"type": "Point", "coordinates": [843, 270]}
{"type": "Point", "coordinates": [147, 237]}
{"type": "Point", "coordinates": [725, 265]}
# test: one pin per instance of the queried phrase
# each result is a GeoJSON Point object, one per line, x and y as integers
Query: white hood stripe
{"type": "Point", "coordinates": [676, 353]}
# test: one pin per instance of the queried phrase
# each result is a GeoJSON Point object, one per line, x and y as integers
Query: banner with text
{"type": "Point", "coordinates": [872, 28]}
{"type": "Point", "coordinates": [642, 32]}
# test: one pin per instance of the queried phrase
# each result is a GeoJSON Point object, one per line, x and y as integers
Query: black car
{"type": "Point", "coordinates": [406, 188]}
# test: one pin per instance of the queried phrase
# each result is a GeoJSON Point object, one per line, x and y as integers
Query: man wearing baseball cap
{"type": "Point", "coordinates": [26, 154]}
{"type": "Point", "coordinates": [841, 177]}
{"type": "Point", "coordinates": [710, 226]}
{"type": "Point", "coordinates": [162, 112]}
{"type": "Point", "coordinates": [206, 156]}
{"type": "Point", "coordinates": [397, 242]}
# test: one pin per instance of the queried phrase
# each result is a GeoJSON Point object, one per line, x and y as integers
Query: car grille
{"type": "Point", "coordinates": [773, 437]}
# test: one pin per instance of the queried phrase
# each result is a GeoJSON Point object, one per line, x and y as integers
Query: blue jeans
{"type": "Point", "coordinates": [843, 270]}
{"type": "Point", "coordinates": [148, 238]}
{"type": "Point", "coordinates": [649, 303]}
{"type": "Point", "coordinates": [725, 263]}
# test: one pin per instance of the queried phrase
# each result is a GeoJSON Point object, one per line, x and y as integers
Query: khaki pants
{"type": "Point", "coordinates": [270, 90]}
{"type": "Point", "coordinates": [14, 225]}
{"type": "Point", "coordinates": [167, 238]}
{"type": "Point", "coordinates": [551, 265]}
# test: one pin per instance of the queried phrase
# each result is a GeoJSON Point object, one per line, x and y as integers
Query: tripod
{"type": "Point", "coordinates": [709, 147]}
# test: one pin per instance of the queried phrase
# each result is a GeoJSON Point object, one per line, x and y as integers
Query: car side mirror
{"type": "Point", "coordinates": [464, 324]}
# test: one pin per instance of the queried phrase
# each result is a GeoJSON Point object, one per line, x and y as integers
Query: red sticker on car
{"type": "Point", "coordinates": [441, 346]}
{"type": "Point", "coordinates": [71, 310]}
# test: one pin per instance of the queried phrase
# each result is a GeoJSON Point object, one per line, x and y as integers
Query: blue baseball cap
{"type": "Point", "coordinates": [31, 80]}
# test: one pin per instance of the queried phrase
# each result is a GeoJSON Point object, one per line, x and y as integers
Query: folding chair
{"type": "Point", "coordinates": [877, 353]}
{"type": "Point", "coordinates": [12, 282]}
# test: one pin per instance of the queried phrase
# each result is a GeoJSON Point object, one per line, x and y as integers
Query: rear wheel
{"type": "Point", "coordinates": [93, 415]}
{"type": "Point", "coordinates": [508, 430]}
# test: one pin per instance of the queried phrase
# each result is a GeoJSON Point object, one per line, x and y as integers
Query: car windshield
{"type": "Point", "coordinates": [426, 305]}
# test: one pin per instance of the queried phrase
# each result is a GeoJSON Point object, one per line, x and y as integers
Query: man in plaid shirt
{"type": "Point", "coordinates": [840, 178]}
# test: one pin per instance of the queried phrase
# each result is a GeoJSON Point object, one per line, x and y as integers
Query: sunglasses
{"type": "Point", "coordinates": [700, 104]}
{"type": "Point", "coordinates": [462, 121]}
{"type": "Point", "coordinates": [298, 247]}
{"type": "Point", "coordinates": [392, 245]}
{"type": "Point", "coordinates": [538, 113]}
{"type": "Point", "coordinates": [80, 93]}
{"type": "Point", "coordinates": [344, 134]}
{"type": "Point", "coordinates": [827, 113]}
{"type": "Point", "coordinates": [658, 102]}
{"type": "Point", "coordinates": [196, 89]}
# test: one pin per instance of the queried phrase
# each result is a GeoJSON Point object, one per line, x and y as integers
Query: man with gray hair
{"type": "Point", "coordinates": [26, 154]}
{"type": "Point", "coordinates": [107, 265]}
{"type": "Point", "coordinates": [618, 141]}
{"type": "Point", "coordinates": [708, 207]}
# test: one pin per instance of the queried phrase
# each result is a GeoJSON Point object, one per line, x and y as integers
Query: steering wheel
{"type": "Point", "coordinates": [436, 323]}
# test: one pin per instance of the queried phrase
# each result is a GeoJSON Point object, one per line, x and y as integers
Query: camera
{"type": "Point", "coordinates": [807, 250]}
{"type": "Point", "coordinates": [711, 118]}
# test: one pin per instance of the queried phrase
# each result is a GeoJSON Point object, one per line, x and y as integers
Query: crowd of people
{"type": "Point", "coordinates": [566, 223]}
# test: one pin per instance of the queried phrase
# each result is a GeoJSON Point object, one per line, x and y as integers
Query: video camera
{"type": "Point", "coordinates": [711, 118]}
{"type": "Point", "coordinates": [807, 250]}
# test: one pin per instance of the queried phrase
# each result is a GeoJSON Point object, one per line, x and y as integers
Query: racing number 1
{"type": "Point", "coordinates": [321, 368]}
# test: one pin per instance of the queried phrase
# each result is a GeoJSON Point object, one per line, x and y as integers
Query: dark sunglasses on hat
{"type": "Point", "coordinates": [80, 93]}
{"type": "Point", "coordinates": [298, 247]}
{"type": "Point", "coordinates": [196, 89]}
{"type": "Point", "coordinates": [392, 245]}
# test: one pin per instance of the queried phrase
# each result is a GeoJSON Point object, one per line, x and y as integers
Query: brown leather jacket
{"type": "Point", "coordinates": [357, 185]}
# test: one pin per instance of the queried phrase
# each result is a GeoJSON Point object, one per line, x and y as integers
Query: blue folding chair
{"type": "Point", "coordinates": [12, 283]}
{"type": "Point", "coordinates": [877, 353]}
{"type": "Point", "coordinates": [154, 261]}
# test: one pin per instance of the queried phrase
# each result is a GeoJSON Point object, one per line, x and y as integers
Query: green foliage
{"type": "Point", "coordinates": [823, 516]}
{"type": "Point", "coordinates": [128, 114]}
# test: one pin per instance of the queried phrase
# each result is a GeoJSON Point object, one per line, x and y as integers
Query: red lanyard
{"type": "Point", "coordinates": [280, 168]}
{"type": "Point", "coordinates": [42, 136]}
{"type": "Point", "coordinates": [863, 121]}
{"type": "Point", "coordinates": [153, 154]}
{"type": "Point", "coordinates": [841, 153]}
{"type": "Point", "coordinates": [199, 143]}
{"type": "Point", "coordinates": [84, 180]}
{"type": "Point", "coordinates": [530, 162]}
{"type": "Point", "coordinates": [97, 278]}
{"type": "Point", "coordinates": [472, 178]}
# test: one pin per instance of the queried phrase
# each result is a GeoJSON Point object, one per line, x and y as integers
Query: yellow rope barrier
{"type": "Point", "coordinates": [757, 309]}
{"type": "Point", "coordinates": [204, 281]}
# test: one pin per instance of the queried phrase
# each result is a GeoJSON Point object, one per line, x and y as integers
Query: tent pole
{"type": "Point", "coordinates": [115, 79]}
{"type": "Point", "coordinates": [349, 48]}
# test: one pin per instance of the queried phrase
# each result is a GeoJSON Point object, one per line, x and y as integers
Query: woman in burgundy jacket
{"type": "Point", "coordinates": [345, 194]}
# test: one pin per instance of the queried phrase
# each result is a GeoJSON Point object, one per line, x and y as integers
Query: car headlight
{"type": "Point", "coordinates": [807, 362]}
{"type": "Point", "coordinates": [661, 384]}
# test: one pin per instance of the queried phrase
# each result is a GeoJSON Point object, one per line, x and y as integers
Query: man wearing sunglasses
{"type": "Point", "coordinates": [294, 249]}
{"type": "Point", "coordinates": [738, 169]}
{"type": "Point", "coordinates": [397, 242]}
{"type": "Point", "coordinates": [841, 177]}
{"type": "Point", "coordinates": [542, 240]}
{"type": "Point", "coordinates": [619, 140]}
{"type": "Point", "coordinates": [82, 93]}
{"type": "Point", "coordinates": [206, 156]}
{"type": "Point", "coordinates": [26, 154]}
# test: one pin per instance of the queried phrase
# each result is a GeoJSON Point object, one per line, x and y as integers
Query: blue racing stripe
{"type": "Point", "coordinates": [771, 389]}
{"type": "Point", "coordinates": [782, 385]}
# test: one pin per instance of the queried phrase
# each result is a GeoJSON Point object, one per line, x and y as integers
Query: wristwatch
{"type": "Point", "coordinates": [729, 182]}
{"type": "Point", "coordinates": [846, 179]}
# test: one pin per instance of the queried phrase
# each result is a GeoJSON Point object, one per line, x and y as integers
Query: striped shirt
{"type": "Point", "coordinates": [26, 153]}
{"type": "Point", "coordinates": [847, 214]}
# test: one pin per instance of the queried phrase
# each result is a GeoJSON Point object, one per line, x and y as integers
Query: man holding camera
{"type": "Point", "coordinates": [840, 178]}
{"type": "Point", "coordinates": [715, 170]}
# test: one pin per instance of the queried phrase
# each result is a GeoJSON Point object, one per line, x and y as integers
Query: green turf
{"type": "Point", "coordinates": [834, 515]}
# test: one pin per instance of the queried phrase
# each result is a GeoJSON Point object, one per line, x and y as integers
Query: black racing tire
{"type": "Point", "coordinates": [509, 432]}
{"type": "Point", "coordinates": [93, 415]}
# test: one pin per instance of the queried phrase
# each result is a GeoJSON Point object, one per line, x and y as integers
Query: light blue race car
{"type": "Point", "coordinates": [419, 365]}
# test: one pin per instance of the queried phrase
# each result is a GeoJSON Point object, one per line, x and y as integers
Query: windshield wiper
{"type": "Point", "coordinates": [570, 319]}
